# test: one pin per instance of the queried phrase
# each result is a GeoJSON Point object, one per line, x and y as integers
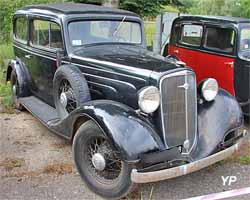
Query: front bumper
{"type": "Point", "coordinates": [145, 177]}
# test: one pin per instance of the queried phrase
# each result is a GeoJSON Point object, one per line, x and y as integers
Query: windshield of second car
{"type": "Point", "coordinates": [104, 31]}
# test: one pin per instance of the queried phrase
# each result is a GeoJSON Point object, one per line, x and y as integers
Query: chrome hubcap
{"type": "Point", "coordinates": [63, 99]}
{"type": "Point", "coordinates": [98, 162]}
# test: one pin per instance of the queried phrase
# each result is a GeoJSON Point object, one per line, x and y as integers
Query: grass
{"type": "Point", "coordinates": [150, 29]}
{"type": "Point", "coordinates": [245, 160]}
{"type": "Point", "coordinates": [11, 163]}
{"type": "Point", "coordinates": [6, 104]}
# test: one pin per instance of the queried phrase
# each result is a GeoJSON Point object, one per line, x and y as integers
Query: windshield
{"type": "Point", "coordinates": [244, 47]}
{"type": "Point", "coordinates": [104, 31]}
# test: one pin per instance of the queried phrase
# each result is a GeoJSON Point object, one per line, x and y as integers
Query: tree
{"type": "Point", "coordinates": [245, 8]}
{"type": "Point", "coordinates": [235, 8]}
{"type": "Point", "coordinates": [144, 8]}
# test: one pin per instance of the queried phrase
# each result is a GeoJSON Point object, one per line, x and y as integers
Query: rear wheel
{"type": "Point", "coordinates": [100, 166]}
{"type": "Point", "coordinates": [15, 87]}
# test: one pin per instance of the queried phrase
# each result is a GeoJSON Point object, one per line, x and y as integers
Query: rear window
{"type": "Point", "coordinates": [221, 39]}
{"type": "Point", "coordinates": [191, 35]}
{"type": "Point", "coordinates": [21, 29]}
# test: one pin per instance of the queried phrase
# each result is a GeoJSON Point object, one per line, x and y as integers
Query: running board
{"type": "Point", "coordinates": [44, 112]}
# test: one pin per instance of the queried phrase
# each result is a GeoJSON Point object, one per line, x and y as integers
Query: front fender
{"type": "Point", "coordinates": [127, 131]}
{"type": "Point", "coordinates": [215, 120]}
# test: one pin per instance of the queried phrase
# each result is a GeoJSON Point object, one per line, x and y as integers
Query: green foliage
{"type": "Point", "coordinates": [6, 52]}
{"type": "Point", "coordinates": [146, 8]}
{"type": "Point", "coordinates": [150, 29]}
{"type": "Point", "coordinates": [236, 8]}
{"type": "Point", "coordinates": [7, 9]}
{"type": "Point", "coordinates": [245, 160]}
{"type": "Point", "coordinates": [245, 8]}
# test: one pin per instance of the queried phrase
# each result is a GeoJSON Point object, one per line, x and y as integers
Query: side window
{"type": "Point", "coordinates": [175, 35]}
{"type": "Point", "coordinates": [55, 36]}
{"type": "Point", "coordinates": [21, 29]}
{"type": "Point", "coordinates": [191, 34]}
{"type": "Point", "coordinates": [221, 39]}
{"type": "Point", "coordinates": [46, 34]}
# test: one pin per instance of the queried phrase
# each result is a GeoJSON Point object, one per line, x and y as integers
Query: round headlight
{"type": "Point", "coordinates": [209, 89]}
{"type": "Point", "coordinates": [149, 99]}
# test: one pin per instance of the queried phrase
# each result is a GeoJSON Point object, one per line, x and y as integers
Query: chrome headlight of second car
{"type": "Point", "coordinates": [209, 89]}
{"type": "Point", "coordinates": [149, 99]}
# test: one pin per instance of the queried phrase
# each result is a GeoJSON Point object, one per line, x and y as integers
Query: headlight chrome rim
{"type": "Point", "coordinates": [149, 99]}
{"type": "Point", "coordinates": [210, 89]}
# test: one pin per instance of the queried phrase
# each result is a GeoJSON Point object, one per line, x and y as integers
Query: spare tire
{"type": "Point", "coordinates": [70, 90]}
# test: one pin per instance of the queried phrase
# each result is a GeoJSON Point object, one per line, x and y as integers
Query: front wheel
{"type": "Point", "coordinates": [98, 165]}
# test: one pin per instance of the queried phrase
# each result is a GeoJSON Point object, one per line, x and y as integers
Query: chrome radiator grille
{"type": "Point", "coordinates": [179, 109]}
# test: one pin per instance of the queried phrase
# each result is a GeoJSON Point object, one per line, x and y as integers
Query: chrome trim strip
{"type": "Point", "coordinates": [196, 120]}
{"type": "Point", "coordinates": [103, 85]}
{"type": "Point", "coordinates": [101, 77]}
{"type": "Point", "coordinates": [34, 53]}
{"type": "Point", "coordinates": [186, 111]}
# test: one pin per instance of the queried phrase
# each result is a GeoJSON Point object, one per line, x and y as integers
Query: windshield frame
{"type": "Point", "coordinates": [91, 17]}
{"type": "Point", "coordinates": [239, 51]}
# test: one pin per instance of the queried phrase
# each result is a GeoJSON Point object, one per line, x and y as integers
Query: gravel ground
{"type": "Point", "coordinates": [36, 164]}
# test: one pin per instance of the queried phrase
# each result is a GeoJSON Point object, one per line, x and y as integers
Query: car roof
{"type": "Point", "coordinates": [217, 19]}
{"type": "Point", "coordinates": [75, 8]}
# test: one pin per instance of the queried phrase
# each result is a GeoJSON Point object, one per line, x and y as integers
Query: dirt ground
{"type": "Point", "coordinates": [36, 164]}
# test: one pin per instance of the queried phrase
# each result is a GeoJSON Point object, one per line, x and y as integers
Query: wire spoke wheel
{"type": "Point", "coordinates": [67, 96]}
{"type": "Point", "coordinates": [99, 165]}
{"type": "Point", "coordinates": [103, 163]}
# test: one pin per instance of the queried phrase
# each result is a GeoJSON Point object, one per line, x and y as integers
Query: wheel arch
{"type": "Point", "coordinates": [122, 126]}
{"type": "Point", "coordinates": [22, 75]}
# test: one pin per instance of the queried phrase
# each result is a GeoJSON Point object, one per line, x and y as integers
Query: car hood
{"type": "Point", "coordinates": [125, 55]}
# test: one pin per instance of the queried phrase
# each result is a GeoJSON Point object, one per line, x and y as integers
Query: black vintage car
{"type": "Point", "coordinates": [133, 116]}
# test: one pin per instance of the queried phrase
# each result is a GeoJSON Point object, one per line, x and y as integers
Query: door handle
{"type": "Point", "coordinates": [176, 51]}
{"type": "Point", "coordinates": [28, 56]}
{"type": "Point", "coordinates": [229, 63]}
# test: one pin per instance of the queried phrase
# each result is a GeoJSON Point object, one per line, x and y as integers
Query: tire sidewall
{"type": "Point", "coordinates": [14, 80]}
{"type": "Point", "coordinates": [78, 83]}
{"type": "Point", "coordinates": [121, 187]}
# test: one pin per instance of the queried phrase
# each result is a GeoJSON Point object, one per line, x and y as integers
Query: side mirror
{"type": "Point", "coordinates": [59, 55]}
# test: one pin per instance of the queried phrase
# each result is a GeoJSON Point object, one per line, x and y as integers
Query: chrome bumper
{"type": "Point", "coordinates": [145, 177]}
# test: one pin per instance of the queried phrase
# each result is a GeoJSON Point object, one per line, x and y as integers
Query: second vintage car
{"type": "Point", "coordinates": [133, 116]}
{"type": "Point", "coordinates": [215, 47]}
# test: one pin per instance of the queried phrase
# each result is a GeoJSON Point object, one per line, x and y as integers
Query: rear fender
{"type": "Point", "coordinates": [215, 120]}
{"type": "Point", "coordinates": [22, 76]}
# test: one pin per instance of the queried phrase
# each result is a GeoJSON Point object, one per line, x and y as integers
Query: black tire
{"type": "Point", "coordinates": [98, 181]}
{"type": "Point", "coordinates": [17, 90]}
{"type": "Point", "coordinates": [78, 92]}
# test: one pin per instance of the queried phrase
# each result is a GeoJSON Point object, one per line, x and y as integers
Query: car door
{"type": "Point", "coordinates": [219, 55]}
{"type": "Point", "coordinates": [46, 39]}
